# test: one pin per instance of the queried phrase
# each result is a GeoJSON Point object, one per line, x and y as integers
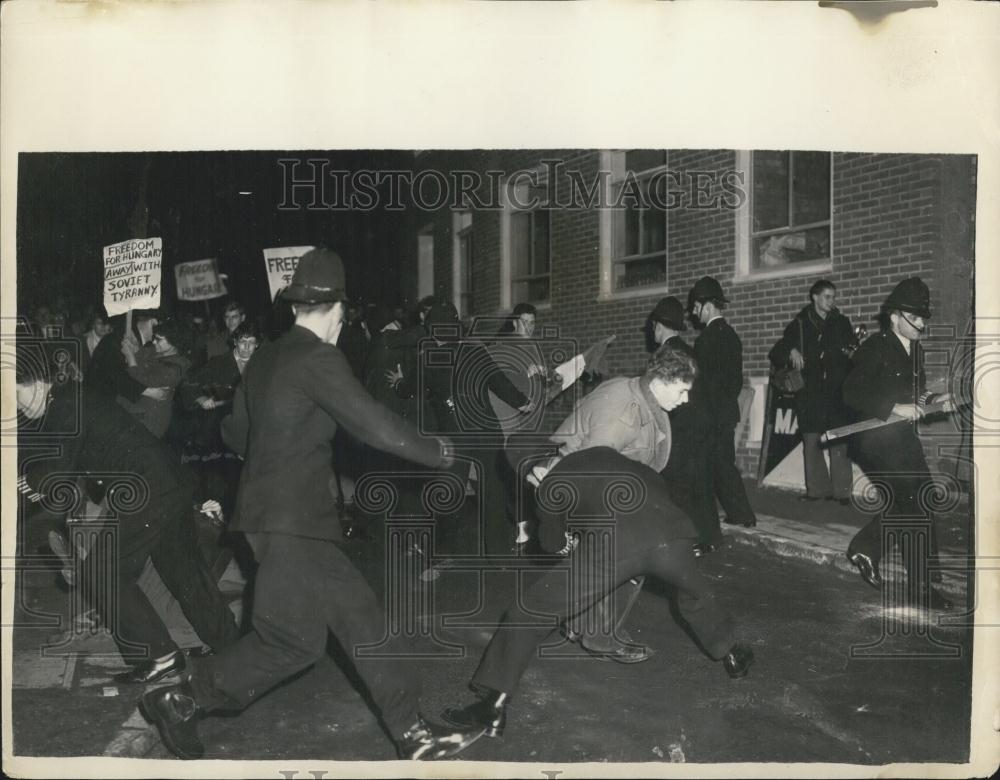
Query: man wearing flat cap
{"type": "Point", "coordinates": [295, 393]}
{"type": "Point", "coordinates": [688, 464]}
{"type": "Point", "coordinates": [719, 352]}
{"type": "Point", "coordinates": [888, 378]}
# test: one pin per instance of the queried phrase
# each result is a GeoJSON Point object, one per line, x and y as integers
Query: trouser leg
{"type": "Point", "coordinates": [726, 478]}
{"type": "Point", "coordinates": [304, 587]}
{"type": "Point", "coordinates": [841, 471]}
{"type": "Point", "coordinates": [675, 564]}
{"type": "Point", "coordinates": [817, 475]}
{"type": "Point", "coordinates": [188, 578]}
{"type": "Point", "coordinates": [137, 628]}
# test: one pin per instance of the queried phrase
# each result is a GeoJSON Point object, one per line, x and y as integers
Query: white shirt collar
{"type": "Point", "coordinates": [904, 341]}
{"type": "Point", "coordinates": [716, 317]}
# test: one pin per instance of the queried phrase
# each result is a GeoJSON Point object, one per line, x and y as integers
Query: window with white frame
{"type": "Point", "coordinates": [790, 210]}
{"type": "Point", "coordinates": [462, 258]}
{"type": "Point", "coordinates": [638, 220]}
{"type": "Point", "coordinates": [527, 242]}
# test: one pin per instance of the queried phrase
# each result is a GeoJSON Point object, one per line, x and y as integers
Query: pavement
{"type": "Point", "coordinates": [820, 531]}
{"type": "Point", "coordinates": [813, 695]}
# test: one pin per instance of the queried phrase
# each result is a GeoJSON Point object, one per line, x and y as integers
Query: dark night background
{"type": "Point", "coordinates": [71, 205]}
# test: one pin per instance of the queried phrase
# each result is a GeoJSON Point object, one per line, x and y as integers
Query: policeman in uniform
{"type": "Point", "coordinates": [296, 391]}
{"type": "Point", "coordinates": [720, 359]}
{"type": "Point", "coordinates": [688, 464]}
{"type": "Point", "coordinates": [888, 378]}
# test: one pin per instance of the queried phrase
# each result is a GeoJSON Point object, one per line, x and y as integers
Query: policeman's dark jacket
{"type": "Point", "coordinates": [389, 349]}
{"type": "Point", "coordinates": [295, 393]}
{"type": "Point", "coordinates": [883, 375]}
{"type": "Point", "coordinates": [720, 360]}
{"type": "Point", "coordinates": [687, 418]}
{"type": "Point", "coordinates": [825, 345]}
{"type": "Point", "coordinates": [603, 483]}
{"type": "Point", "coordinates": [99, 440]}
{"type": "Point", "coordinates": [457, 380]}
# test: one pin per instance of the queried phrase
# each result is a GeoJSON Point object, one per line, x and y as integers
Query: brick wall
{"type": "Point", "coordinates": [890, 221]}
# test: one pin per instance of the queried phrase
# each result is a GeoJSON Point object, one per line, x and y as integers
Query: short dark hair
{"type": "Point", "coordinates": [671, 365]}
{"type": "Point", "coordinates": [246, 329]}
{"type": "Point", "coordinates": [178, 335]}
{"type": "Point", "coordinates": [822, 284]}
{"type": "Point", "coordinates": [234, 306]}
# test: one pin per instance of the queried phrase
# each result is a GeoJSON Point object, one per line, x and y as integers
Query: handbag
{"type": "Point", "coordinates": [788, 379]}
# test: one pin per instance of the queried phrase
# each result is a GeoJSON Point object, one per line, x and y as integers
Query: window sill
{"type": "Point", "coordinates": [797, 269]}
{"type": "Point", "coordinates": [625, 295]}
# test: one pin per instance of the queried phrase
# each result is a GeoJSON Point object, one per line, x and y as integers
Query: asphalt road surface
{"type": "Point", "coordinates": [837, 678]}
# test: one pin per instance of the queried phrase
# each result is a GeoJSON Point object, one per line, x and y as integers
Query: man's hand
{"type": "Point", "coordinates": [130, 346]}
{"type": "Point", "coordinates": [206, 402]}
{"type": "Point", "coordinates": [394, 377]}
{"type": "Point", "coordinates": [908, 411]}
{"type": "Point", "coordinates": [157, 393]}
{"type": "Point", "coordinates": [948, 400]}
{"type": "Point", "coordinates": [798, 362]}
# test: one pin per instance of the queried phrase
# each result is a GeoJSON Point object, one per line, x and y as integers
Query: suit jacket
{"type": "Point", "coordinates": [621, 414]}
{"type": "Point", "coordinates": [295, 393]}
{"type": "Point", "coordinates": [642, 510]}
{"type": "Point", "coordinates": [720, 359]}
{"type": "Point", "coordinates": [98, 440]}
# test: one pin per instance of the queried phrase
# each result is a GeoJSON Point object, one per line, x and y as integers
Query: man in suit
{"type": "Point", "coordinates": [720, 359]}
{"type": "Point", "coordinates": [295, 394]}
{"type": "Point", "coordinates": [888, 378]}
{"type": "Point", "coordinates": [589, 496]}
{"type": "Point", "coordinates": [688, 464]}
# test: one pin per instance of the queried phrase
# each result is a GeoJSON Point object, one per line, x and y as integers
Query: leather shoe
{"type": "Point", "coordinates": [425, 741]}
{"type": "Point", "coordinates": [151, 671]}
{"type": "Point", "coordinates": [737, 661]}
{"type": "Point", "coordinates": [202, 651]}
{"type": "Point", "coordinates": [751, 523]}
{"type": "Point", "coordinates": [489, 713]}
{"type": "Point", "coordinates": [867, 568]}
{"type": "Point", "coordinates": [175, 714]}
{"type": "Point", "coordinates": [626, 651]}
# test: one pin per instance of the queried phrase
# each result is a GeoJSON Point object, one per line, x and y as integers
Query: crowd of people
{"type": "Point", "coordinates": [216, 448]}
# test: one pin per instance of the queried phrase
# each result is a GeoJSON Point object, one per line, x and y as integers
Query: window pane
{"type": "Point", "coordinates": [640, 273]}
{"type": "Point", "coordinates": [520, 243]}
{"type": "Point", "coordinates": [644, 159]}
{"type": "Point", "coordinates": [631, 231]}
{"type": "Point", "coordinates": [540, 258]}
{"type": "Point", "coordinates": [811, 187]}
{"type": "Point", "coordinates": [770, 190]}
{"type": "Point", "coordinates": [792, 247]}
{"type": "Point", "coordinates": [465, 262]}
{"type": "Point", "coordinates": [531, 290]}
{"type": "Point", "coordinates": [654, 225]}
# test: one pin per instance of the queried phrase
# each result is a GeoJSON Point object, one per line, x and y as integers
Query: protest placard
{"type": "Point", "coordinates": [199, 280]}
{"type": "Point", "coordinates": [280, 263]}
{"type": "Point", "coordinates": [132, 272]}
